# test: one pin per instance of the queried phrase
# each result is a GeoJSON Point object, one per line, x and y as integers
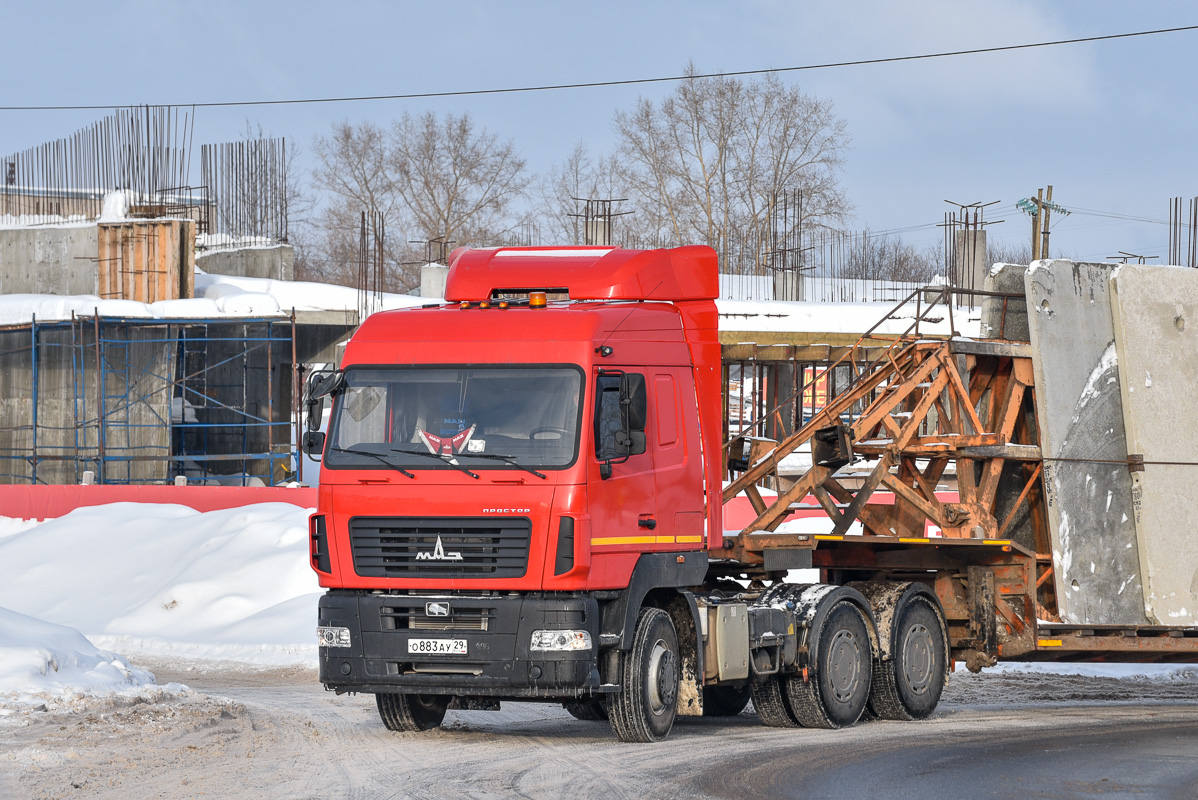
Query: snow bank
{"type": "Point", "coordinates": [166, 580]}
{"type": "Point", "coordinates": [48, 665]}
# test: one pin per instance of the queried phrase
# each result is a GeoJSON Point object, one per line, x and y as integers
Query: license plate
{"type": "Point", "coordinates": [453, 647]}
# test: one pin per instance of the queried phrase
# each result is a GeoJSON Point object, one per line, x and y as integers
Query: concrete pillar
{"type": "Point", "coordinates": [971, 260]}
{"type": "Point", "coordinates": [789, 285]}
{"type": "Point", "coordinates": [432, 280]}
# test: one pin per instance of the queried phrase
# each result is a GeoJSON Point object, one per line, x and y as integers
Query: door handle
{"type": "Point", "coordinates": [650, 524]}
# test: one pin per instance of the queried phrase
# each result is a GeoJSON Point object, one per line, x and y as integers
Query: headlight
{"type": "Point", "coordinates": [560, 640]}
{"type": "Point", "coordinates": [333, 637]}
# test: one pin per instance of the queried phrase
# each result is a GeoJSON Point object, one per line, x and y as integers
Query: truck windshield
{"type": "Point", "coordinates": [529, 416]}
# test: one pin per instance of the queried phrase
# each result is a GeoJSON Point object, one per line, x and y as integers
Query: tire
{"type": "Point", "coordinates": [772, 704]}
{"type": "Point", "coordinates": [647, 703]}
{"type": "Point", "coordinates": [725, 701]}
{"type": "Point", "coordinates": [587, 709]}
{"type": "Point", "coordinates": [839, 680]}
{"type": "Point", "coordinates": [409, 713]}
{"type": "Point", "coordinates": [908, 685]}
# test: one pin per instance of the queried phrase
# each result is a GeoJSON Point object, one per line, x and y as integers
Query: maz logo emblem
{"type": "Point", "coordinates": [438, 554]}
{"type": "Point", "coordinates": [436, 609]}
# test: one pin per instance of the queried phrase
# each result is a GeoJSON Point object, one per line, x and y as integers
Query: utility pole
{"type": "Point", "coordinates": [1040, 209]}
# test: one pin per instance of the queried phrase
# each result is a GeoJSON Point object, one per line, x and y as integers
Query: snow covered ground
{"type": "Point", "coordinates": [174, 585]}
{"type": "Point", "coordinates": [150, 580]}
{"type": "Point", "coordinates": [44, 666]}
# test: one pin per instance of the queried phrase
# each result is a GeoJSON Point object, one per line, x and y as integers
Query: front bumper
{"type": "Point", "coordinates": [497, 663]}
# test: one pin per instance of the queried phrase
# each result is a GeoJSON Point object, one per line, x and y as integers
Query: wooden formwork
{"type": "Point", "coordinates": [146, 260]}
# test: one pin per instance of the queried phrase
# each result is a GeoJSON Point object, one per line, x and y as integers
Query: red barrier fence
{"type": "Point", "coordinates": [51, 501]}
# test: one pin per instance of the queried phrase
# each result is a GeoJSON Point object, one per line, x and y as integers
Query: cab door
{"type": "Point", "coordinates": [623, 506]}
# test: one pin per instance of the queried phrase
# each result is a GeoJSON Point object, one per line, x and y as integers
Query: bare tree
{"type": "Point", "coordinates": [353, 171]}
{"type": "Point", "coordinates": [1002, 251]}
{"type": "Point", "coordinates": [707, 162]}
{"type": "Point", "coordinates": [455, 182]}
{"type": "Point", "coordinates": [882, 257]}
{"type": "Point", "coordinates": [428, 177]}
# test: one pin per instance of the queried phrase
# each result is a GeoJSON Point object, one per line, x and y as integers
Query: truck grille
{"type": "Point", "coordinates": [440, 547]}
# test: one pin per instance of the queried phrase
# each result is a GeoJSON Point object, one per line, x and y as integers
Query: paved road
{"type": "Point", "coordinates": [277, 734]}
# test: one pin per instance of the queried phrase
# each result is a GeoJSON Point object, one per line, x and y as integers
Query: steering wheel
{"type": "Point", "coordinates": [561, 432]}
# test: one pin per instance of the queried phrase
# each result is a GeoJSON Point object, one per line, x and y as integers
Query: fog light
{"type": "Point", "coordinates": [560, 640]}
{"type": "Point", "coordinates": [333, 637]}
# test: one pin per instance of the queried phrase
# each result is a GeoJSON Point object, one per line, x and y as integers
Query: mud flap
{"type": "Point", "coordinates": [983, 620]}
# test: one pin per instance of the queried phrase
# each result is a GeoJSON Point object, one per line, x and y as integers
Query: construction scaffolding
{"type": "Point", "coordinates": [137, 401]}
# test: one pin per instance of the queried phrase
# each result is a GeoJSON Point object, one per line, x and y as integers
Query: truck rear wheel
{"type": "Point", "coordinates": [645, 707]}
{"type": "Point", "coordinates": [909, 684]}
{"type": "Point", "coordinates": [408, 713]}
{"type": "Point", "coordinates": [771, 703]}
{"type": "Point", "coordinates": [587, 709]}
{"type": "Point", "coordinates": [838, 685]}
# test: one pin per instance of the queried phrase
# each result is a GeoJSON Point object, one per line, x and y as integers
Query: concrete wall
{"type": "Point", "coordinates": [277, 263]}
{"type": "Point", "coordinates": [48, 260]}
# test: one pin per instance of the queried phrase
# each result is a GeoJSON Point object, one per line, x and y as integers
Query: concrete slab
{"type": "Point", "coordinates": [1156, 333]}
{"type": "Point", "coordinates": [276, 262]}
{"type": "Point", "coordinates": [1013, 324]}
{"type": "Point", "coordinates": [1090, 507]}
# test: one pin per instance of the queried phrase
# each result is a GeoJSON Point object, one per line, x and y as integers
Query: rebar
{"type": "Point", "coordinates": [144, 150]}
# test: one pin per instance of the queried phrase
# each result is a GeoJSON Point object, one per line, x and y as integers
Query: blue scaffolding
{"type": "Point", "coordinates": [146, 400]}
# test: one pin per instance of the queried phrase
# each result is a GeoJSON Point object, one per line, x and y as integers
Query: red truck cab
{"type": "Point", "coordinates": [509, 482]}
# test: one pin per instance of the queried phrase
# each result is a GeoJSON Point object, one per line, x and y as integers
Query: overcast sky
{"type": "Point", "coordinates": [1112, 125]}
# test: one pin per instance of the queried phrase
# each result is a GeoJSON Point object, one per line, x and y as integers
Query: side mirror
{"type": "Point", "coordinates": [313, 443]}
{"type": "Point", "coordinates": [320, 385]}
{"type": "Point", "coordinates": [315, 413]}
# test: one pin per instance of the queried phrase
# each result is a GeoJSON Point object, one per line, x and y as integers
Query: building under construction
{"type": "Point", "coordinates": [149, 391]}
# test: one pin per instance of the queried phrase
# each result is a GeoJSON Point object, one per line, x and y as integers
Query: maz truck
{"type": "Point", "coordinates": [521, 499]}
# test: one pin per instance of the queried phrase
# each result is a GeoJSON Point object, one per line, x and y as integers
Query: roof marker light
{"type": "Point", "coordinates": [484, 304]}
{"type": "Point", "coordinates": [537, 300]}
{"type": "Point", "coordinates": [503, 304]}
{"type": "Point", "coordinates": [465, 304]}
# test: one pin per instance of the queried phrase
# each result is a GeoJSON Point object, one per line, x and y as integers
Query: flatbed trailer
{"type": "Point", "coordinates": [521, 501]}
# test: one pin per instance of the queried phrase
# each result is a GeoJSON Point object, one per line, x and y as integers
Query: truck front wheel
{"type": "Point", "coordinates": [408, 713]}
{"type": "Point", "coordinates": [645, 707]}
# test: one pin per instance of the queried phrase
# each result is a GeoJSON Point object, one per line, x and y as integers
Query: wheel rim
{"type": "Point", "coordinates": [844, 665]}
{"type": "Point", "coordinates": [663, 677]}
{"type": "Point", "coordinates": [919, 657]}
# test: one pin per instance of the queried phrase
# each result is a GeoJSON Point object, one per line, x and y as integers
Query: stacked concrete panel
{"type": "Point", "coordinates": [1005, 317]}
{"type": "Point", "coordinates": [1087, 485]}
{"type": "Point", "coordinates": [1155, 313]}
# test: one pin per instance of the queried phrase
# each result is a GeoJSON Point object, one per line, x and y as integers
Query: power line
{"type": "Point", "coordinates": [628, 82]}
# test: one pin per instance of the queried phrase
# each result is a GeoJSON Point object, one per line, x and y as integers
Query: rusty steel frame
{"type": "Point", "coordinates": [917, 407]}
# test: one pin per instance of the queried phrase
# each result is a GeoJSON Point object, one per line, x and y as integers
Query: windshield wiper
{"type": "Point", "coordinates": [507, 460]}
{"type": "Point", "coordinates": [375, 456]}
{"type": "Point", "coordinates": [442, 459]}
